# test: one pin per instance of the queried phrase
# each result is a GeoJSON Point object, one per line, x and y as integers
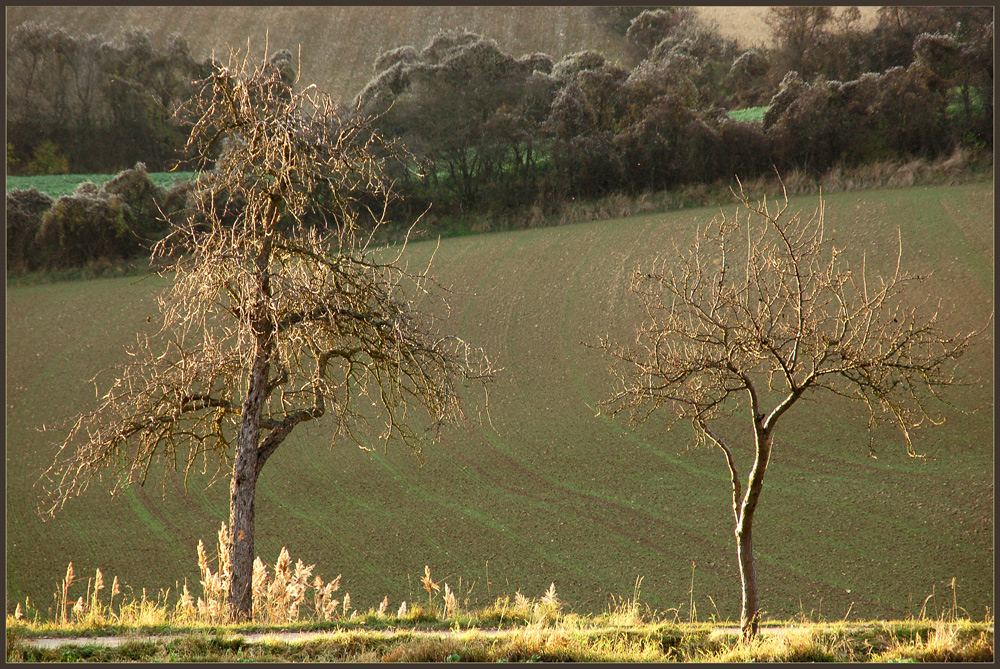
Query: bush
{"type": "Point", "coordinates": [746, 151]}
{"type": "Point", "coordinates": [80, 228]}
{"type": "Point", "coordinates": [898, 114]}
{"type": "Point", "coordinates": [144, 199]}
{"type": "Point", "coordinates": [25, 209]}
{"type": "Point", "coordinates": [747, 78]}
{"type": "Point", "coordinates": [47, 159]}
{"type": "Point", "coordinates": [584, 165]}
{"type": "Point", "coordinates": [652, 26]}
{"type": "Point", "coordinates": [654, 148]}
{"type": "Point", "coordinates": [573, 64]}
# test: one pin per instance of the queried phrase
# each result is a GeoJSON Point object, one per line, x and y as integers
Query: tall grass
{"type": "Point", "coordinates": [284, 593]}
{"type": "Point", "coordinates": [514, 628]}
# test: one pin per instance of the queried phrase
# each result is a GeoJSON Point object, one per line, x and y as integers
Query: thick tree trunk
{"type": "Point", "coordinates": [243, 487]}
{"type": "Point", "coordinates": [243, 492]}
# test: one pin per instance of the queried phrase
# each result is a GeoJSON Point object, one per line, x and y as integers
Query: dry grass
{"type": "Point", "coordinates": [945, 641]}
{"type": "Point", "coordinates": [528, 629]}
{"type": "Point", "coordinates": [283, 594]}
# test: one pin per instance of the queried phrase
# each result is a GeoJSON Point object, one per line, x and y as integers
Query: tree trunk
{"type": "Point", "coordinates": [750, 615]}
{"type": "Point", "coordinates": [243, 491]}
{"type": "Point", "coordinates": [243, 487]}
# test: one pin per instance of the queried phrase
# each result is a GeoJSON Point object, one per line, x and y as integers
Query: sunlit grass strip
{"type": "Point", "coordinates": [512, 629]}
{"type": "Point", "coordinates": [877, 641]}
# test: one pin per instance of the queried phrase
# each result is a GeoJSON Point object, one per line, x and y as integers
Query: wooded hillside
{"type": "Point", "coordinates": [340, 44]}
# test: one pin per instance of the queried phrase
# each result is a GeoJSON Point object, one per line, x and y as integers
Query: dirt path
{"type": "Point", "coordinates": [298, 637]}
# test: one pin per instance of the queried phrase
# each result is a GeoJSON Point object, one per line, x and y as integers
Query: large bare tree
{"type": "Point", "coordinates": [281, 310]}
{"type": "Point", "coordinates": [759, 312]}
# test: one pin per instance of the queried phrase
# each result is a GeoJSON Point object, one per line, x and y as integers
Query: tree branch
{"type": "Point", "coordinates": [734, 476]}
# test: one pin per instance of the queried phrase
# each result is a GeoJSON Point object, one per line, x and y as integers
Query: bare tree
{"type": "Point", "coordinates": [760, 311]}
{"type": "Point", "coordinates": [270, 322]}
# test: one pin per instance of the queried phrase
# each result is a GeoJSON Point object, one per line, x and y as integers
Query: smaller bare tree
{"type": "Point", "coordinates": [271, 321]}
{"type": "Point", "coordinates": [760, 311]}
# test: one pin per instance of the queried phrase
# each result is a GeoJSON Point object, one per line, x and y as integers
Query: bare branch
{"type": "Point", "coordinates": [277, 294]}
{"type": "Point", "coordinates": [797, 319]}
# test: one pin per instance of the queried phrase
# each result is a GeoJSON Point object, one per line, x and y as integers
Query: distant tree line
{"type": "Point", "coordinates": [85, 103]}
{"type": "Point", "coordinates": [487, 132]}
{"type": "Point", "coordinates": [490, 132]}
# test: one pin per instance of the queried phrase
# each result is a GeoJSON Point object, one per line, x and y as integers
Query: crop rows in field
{"type": "Point", "coordinates": [545, 491]}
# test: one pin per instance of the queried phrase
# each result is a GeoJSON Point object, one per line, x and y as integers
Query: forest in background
{"type": "Point", "coordinates": [488, 132]}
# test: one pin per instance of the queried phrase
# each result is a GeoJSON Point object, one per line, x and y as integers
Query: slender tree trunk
{"type": "Point", "coordinates": [750, 615]}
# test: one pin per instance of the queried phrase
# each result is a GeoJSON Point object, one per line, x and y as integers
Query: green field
{"type": "Point", "coordinates": [550, 492]}
{"type": "Point", "coordinates": [752, 114]}
{"type": "Point", "coordinates": [57, 185]}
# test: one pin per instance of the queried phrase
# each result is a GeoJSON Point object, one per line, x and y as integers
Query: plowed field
{"type": "Point", "coordinates": [549, 492]}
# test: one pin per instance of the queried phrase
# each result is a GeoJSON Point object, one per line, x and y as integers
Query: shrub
{"type": "Point", "coordinates": [911, 110]}
{"type": "Point", "coordinates": [584, 165]}
{"type": "Point", "coordinates": [144, 199]}
{"type": "Point", "coordinates": [47, 159]}
{"type": "Point", "coordinates": [25, 209]}
{"type": "Point", "coordinates": [176, 199]}
{"type": "Point", "coordinates": [654, 149]}
{"type": "Point", "coordinates": [651, 27]}
{"type": "Point", "coordinates": [81, 227]}
{"type": "Point", "coordinates": [404, 54]}
{"type": "Point", "coordinates": [789, 90]}
{"type": "Point", "coordinates": [897, 114]}
{"type": "Point", "coordinates": [747, 77]}
{"type": "Point", "coordinates": [747, 150]}
{"type": "Point", "coordinates": [573, 64]}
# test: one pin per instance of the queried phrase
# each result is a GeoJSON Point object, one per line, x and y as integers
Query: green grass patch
{"type": "Point", "coordinates": [57, 185]}
{"type": "Point", "coordinates": [750, 114]}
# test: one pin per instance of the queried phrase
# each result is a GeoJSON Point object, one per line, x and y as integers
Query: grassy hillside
{"type": "Point", "coordinates": [340, 44]}
{"type": "Point", "coordinates": [549, 492]}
